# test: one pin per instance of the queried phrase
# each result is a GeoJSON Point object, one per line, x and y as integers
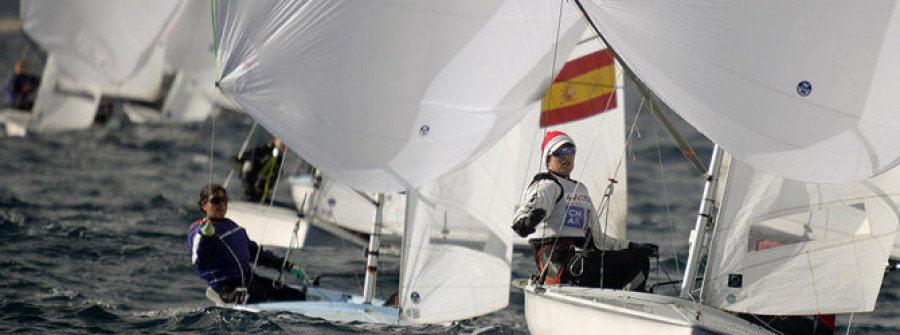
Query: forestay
{"type": "Point", "coordinates": [788, 247]}
{"type": "Point", "coordinates": [801, 89]}
{"type": "Point", "coordinates": [386, 96]}
{"type": "Point", "coordinates": [98, 42]}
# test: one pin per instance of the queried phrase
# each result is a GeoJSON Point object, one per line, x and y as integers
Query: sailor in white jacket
{"type": "Point", "coordinates": [557, 212]}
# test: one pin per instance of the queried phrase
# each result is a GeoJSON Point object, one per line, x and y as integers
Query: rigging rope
{"type": "Point", "coordinates": [259, 249]}
{"type": "Point", "coordinates": [542, 164]}
{"type": "Point", "coordinates": [849, 322]}
{"type": "Point", "coordinates": [665, 191]}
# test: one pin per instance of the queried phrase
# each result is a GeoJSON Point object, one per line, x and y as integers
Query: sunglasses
{"type": "Point", "coordinates": [563, 151]}
{"type": "Point", "coordinates": [217, 200]}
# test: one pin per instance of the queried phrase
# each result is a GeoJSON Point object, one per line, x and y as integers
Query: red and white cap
{"type": "Point", "coordinates": [552, 141]}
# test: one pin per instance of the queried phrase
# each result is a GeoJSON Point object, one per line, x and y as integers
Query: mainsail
{"type": "Point", "coordinates": [800, 89]}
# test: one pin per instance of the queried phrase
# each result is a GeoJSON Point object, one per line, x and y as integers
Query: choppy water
{"type": "Point", "coordinates": [93, 224]}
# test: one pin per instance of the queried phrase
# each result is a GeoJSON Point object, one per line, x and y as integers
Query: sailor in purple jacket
{"type": "Point", "coordinates": [222, 254]}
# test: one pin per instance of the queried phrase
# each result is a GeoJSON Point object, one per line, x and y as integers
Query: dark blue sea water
{"type": "Point", "coordinates": [93, 224]}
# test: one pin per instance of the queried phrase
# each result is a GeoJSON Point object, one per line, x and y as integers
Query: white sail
{"type": "Point", "coordinates": [793, 248]}
{"type": "Point", "coordinates": [386, 96]}
{"type": "Point", "coordinates": [191, 55]}
{"type": "Point", "coordinates": [61, 105]}
{"type": "Point", "coordinates": [457, 244]}
{"type": "Point", "coordinates": [389, 96]}
{"type": "Point", "coordinates": [800, 89]}
{"type": "Point", "coordinates": [98, 42]}
{"type": "Point", "coordinates": [189, 46]}
{"type": "Point", "coordinates": [145, 84]}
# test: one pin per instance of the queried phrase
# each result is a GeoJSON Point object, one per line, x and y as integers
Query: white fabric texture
{"type": "Point", "coordinates": [424, 85]}
{"type": "Point", "coordinates": [98, 42]}
{"type": "Point", "coordinates": [801, 248]}
{"type": "Point", "coordinates": [819, 106]}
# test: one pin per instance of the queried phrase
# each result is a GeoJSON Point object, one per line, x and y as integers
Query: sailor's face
{"type": "Point", "coordinates": [562, 162]}
{"type": "Point", "coordinates": [216, 206]}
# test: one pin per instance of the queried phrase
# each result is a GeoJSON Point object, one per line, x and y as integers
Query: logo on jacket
{"type": "Point", "coordinates": [578, 197]}
{"type": "Point", "coordinates": [574, 217]}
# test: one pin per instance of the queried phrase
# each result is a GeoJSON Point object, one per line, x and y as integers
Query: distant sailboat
{"type": "Point", "coordinates": [123, 51]}
{"type": "Point", "coordinates": [113, 49]}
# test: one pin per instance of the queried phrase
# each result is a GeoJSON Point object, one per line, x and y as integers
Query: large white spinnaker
{"type": "Point", "coordinates": [386, 96]}
{"type": "Point", "coordinates": [98, 42]}
{"type": "Point", "coordinates": [800, 89]}
{"type": "Point", "coordinates": [389, 96]}
{"type": "Point", "coordinates": [786, 247]}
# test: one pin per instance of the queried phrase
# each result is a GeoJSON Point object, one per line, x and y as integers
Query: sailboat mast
{"type": "Point", "coordinates": [704, 224]}
{"type": "Point", "coordinates": [372, 251]}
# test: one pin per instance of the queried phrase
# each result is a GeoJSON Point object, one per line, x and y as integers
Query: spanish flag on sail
{"type": "Point", "coordinates": [586, 86]}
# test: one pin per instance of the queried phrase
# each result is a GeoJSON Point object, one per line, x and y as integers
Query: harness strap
{"type": "Point", "coordinates": [548, 176]}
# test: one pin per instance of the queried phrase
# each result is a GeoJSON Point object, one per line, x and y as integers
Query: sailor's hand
{"type": "Point", "coordinates": [207, 229]}
{"type": "Point", "coordinates": [523, 226]}
{"type": "Point", "coordinates": [649, 249]}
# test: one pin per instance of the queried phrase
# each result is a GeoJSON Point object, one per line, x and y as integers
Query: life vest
{"type": "Point", "coordinates": [571, 212]}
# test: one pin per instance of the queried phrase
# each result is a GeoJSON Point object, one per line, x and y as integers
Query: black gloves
{"type": "Point", "coordinates": [649, 249]}
{"type": "Point", "coordinates": [524, 226]}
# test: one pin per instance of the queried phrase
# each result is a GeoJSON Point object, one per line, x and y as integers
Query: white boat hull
{"type": "Point", "coordinates": [564, 309]}
{"type": "Point", "coordinates": [325, 304]}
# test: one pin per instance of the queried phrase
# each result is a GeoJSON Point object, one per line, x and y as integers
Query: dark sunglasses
{"type": "Point", "coordinates": [217, 200]}
{"type": "Point", "coordinates": [563, 151]}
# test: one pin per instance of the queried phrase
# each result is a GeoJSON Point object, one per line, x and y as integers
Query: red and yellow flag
{"type": "Point", "coordinates": [586, 86]}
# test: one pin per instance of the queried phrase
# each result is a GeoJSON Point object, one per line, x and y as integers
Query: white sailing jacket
{"type": "Point", "coordinates": [568, 217]}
